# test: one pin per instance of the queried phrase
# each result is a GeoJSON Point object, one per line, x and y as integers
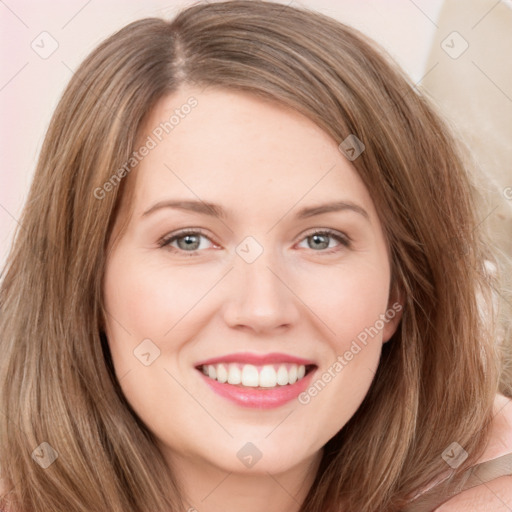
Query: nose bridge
{"type": "Point", "coordinates": [260, 297]}
{"type": "Point", "coordinates": [256, 267]}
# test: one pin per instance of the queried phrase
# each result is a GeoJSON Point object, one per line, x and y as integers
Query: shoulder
{"type": "Point", "coordinates": [495, 495]}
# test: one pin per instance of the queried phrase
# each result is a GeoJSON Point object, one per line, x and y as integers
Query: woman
{"type": "Point", "coordinates": [258, 370]}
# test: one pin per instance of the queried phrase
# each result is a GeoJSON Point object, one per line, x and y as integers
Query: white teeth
{"type": "Point", "coordinates": [292, 375]}
{"type": "Point", "coordinates": [234, 374]}
{"type": "Point", "coordinates": [266, 376]}
{"type": "Point", "coordinates": [282, 375]}
{"type": "Point", "coordinates": [222, 373]}
{"type": "Point", "coordinates": [250, 376]}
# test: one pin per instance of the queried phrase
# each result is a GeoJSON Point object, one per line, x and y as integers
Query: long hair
{"type": "Point", "coordinates": [439, 373]}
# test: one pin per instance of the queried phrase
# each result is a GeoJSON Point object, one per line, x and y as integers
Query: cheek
{"type": "Point", "coordinates": [351, 309]}
{"type": "Point", "coordinates": [150, 299]}
{"type": "Point", "coordinates": [145, 301]}
{"type": "Point", "coordinates": [352, 299]}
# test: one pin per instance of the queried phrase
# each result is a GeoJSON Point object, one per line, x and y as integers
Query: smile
{"type": "Point", "coordinates": [249, 375]}
{"type": "Point", "coordinates": [255, 380]}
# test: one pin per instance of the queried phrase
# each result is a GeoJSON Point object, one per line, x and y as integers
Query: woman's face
{"type": "Point", "coordinates": [262, 292]}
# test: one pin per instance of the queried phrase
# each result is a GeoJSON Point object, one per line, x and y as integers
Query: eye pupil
{"type": "Point", "coordinates": [324, 244]}
{"type": "Point", "coordinates": [189, 241]}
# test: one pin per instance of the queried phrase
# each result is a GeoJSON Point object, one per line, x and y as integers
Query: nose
{"type": "Point", "coordinates": [261, 296]}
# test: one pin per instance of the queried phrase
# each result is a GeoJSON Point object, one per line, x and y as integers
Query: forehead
{"type": "Point", "coordinates": [233, 147]}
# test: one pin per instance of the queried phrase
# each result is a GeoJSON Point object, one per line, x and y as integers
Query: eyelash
{"type": "Point", "coordinates": [167, 240]}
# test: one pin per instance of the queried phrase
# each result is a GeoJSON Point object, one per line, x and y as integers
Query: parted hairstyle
{"type": "Point", "coordinates": [439, 373]}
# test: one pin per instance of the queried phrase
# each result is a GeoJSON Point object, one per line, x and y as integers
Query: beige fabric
{"type": "Point", "coordinates": [473, 88]}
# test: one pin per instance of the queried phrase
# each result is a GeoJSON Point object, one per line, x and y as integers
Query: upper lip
{"type": "Point", "coordinates": [256, 359]}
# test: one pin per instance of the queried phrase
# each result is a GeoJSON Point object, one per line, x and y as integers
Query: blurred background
{"type": "Point", "coordinates": [458, 52]}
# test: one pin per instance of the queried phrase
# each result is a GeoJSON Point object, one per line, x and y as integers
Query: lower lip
{"type": "Point", "coordinates": [259, 398]}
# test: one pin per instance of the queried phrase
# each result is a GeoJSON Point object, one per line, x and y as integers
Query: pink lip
{"type": "Point", "coordinates": [256, 359]}
{"type": "Point", "coordinates": [260, 398]}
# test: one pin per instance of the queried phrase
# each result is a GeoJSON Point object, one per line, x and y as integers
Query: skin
{"type": "Point", "coordinates": [262, 163]}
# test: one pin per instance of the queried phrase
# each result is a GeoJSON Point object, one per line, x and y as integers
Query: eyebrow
{"type": "Point", "coordinates": [217, 211]}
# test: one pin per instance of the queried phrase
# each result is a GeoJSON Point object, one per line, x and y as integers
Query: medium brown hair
{"type": "Point", "coordinates": [438, 374]}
